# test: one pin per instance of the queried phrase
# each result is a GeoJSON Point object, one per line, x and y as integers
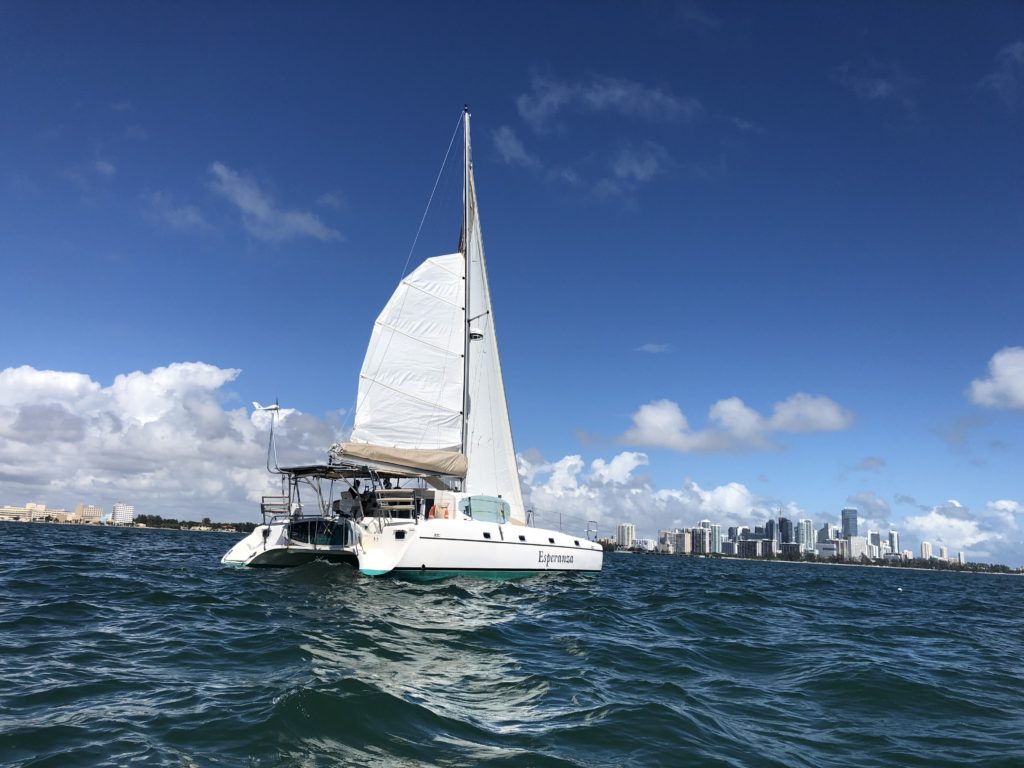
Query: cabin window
{"type": "Point", "coordinates": [399, 534]}
{"type": "Point", "coordinates": [551, 541]}
{"type": "Point", "coordinates": [521, 537]}
{"type": "Point", "coordinates": [487, 535]}
{"type": "Point", "coordinates": [576, 542]}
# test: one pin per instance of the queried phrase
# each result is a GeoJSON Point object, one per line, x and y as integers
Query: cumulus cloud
{"type": "Point", "coordinates": [1007, 80]}
{"type": "Point", "coordinates": [511, 148]}
{"type": "Point", "coordinates": [1004, 387]}
{"type": "Point", "coordinates": [260, 217]}
{"type": "Point", "coordinates": [162, 439]}
{"type": "Point", "coordinates": [564, 492]}
{"type": "Point", "coordinates": [549, 96]}
{"type": "Point", "coordinates": [734, 425]}
{"type": "Point", "coordinates": [951, 524]}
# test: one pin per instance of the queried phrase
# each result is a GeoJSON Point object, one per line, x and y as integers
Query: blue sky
{"type": "Point", "coordinates": [692, 213]}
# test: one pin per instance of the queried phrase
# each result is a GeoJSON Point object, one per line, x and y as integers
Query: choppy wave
{"type": "Point", "coordinates": [135, 647]}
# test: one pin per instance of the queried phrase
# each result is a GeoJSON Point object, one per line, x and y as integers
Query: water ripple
{"type": "Point", "coordinates": [135, 647]}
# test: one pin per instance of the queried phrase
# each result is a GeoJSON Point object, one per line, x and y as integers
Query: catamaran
{"type": "Point", "coordinates": [427, 486]}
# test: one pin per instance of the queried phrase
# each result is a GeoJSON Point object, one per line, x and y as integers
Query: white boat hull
{"type": "Point", "coordinates": [430, 549]}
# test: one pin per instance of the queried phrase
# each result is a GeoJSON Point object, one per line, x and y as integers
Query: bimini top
{"type": "Point", "coordinates": [418, 460]}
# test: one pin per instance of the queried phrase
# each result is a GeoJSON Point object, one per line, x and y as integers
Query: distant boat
{"type": "Point", "coordinates": [428, 485]}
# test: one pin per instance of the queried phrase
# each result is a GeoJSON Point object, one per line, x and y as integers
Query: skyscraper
{"type": "Point", "coordinates": [786, 531]}
{"type": "Point", "coordinates": [894, 541]}
{"type": "Point", "coordinates": [926, 550]}
{"type": "Point", "coordinates": [849, 516]}
{"type": "Point", "coordinates": [943, 552]}
{"type": "Point", "coordinates": [716, 538]}
{"type": "Point", "coordinates": [701, 540]}
{"type": "Point", "coordinates": [625, 535]}
{"type": "Point", "coordinates": [874, 537]}
{"type": "Point", "coordinates": [805, 535]}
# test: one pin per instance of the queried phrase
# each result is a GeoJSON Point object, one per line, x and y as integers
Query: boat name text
{"type": "Point", "coordinates": [547, 559]}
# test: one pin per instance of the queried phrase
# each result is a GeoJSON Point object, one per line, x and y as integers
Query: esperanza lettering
{"type": "Point", "coordinates": [544, 557]}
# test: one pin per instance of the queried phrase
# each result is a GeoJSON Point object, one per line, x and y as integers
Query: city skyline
{"type": "Point", "coordinates": [778, 538]}
{"type": "Point", "coordinates": [742, 257]}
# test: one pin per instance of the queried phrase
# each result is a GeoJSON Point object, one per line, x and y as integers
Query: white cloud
{"type": "Point", "coordinates": [809, 413]}
{"type": "Point", "coordinates": [561, 492]}
{"type": "Point", "coordinates": [619, 469]}
{"type": "Point", "coordinates": [166, 210]}
{"type": "Point", "coordinates": [1007, 80]}
{"type": "Point", "coordinates": [511, 148]}
{"type": "Point", "coordinates": [162, 440]}
{"type": "Point", "coordinates": [260, 217]}
{"type": "Point", "coordinates": [104, 168]}
{"type": "Point", "coordinates": [734, 425]}
{"type": "Point", "coordinates": [950, 525]}
{"type": "Point", "coordinates": [1006, 511]}
{"type": "Point", "coordinates": [1004, 388]}
{"type": "Point", "coordinates": [654, 349]}
{"type": "Point", "coordinates": [548, 97]}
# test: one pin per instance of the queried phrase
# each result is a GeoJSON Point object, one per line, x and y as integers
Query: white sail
{"type": "Point", "coordinates": [489, 449]}
{"type": "Point", "coordinates": [411, 382]}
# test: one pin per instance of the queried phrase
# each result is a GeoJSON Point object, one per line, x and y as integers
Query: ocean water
{"type": "Point", "coordinates": [127, 647]}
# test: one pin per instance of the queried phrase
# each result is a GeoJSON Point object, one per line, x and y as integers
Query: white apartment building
{"type": "Point", "coordinates": [123, 514]}
{"type": "Point", "coordinates": [625, 535]}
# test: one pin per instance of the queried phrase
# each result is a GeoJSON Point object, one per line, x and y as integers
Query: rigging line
{"type": "Point", "coordinates": [408, 258]}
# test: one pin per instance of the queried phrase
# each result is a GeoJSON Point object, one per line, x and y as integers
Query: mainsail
{"type": "Point", "coordinates": [410, 386]}
{"type": "Point", "coordinates": [418, 391]}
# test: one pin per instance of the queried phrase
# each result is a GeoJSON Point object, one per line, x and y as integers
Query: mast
{"type": "Point", "coordinates": [466, 170]}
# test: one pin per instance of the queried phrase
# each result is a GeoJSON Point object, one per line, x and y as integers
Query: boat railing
{"type": "Point", "coordinates": [396, 502]}
{"type": "Point", "coordinates": [274, 506]}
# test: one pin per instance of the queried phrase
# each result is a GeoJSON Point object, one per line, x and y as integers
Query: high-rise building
{"type": "Point", "coordinates": [716, 538]}
{"type": "Point", "coordinates": [943, 552]}
{"type": "Point", "coordinates": [123, 514]}
{"type": "Point", "coordinates": [771, 530]}
{"type": "Point", "coordinates": [926, 550]}
{"type": "Point", "coordinates": [858, 547]}
{"type": "Point", "coordinates": [683, 543]}
{"type": "Point", "coordinates": [849, 517]}
{"type": "Point", "coordinates": [805, 535]}
{"type": "Point", "coordinates": [960, 558]}
{"type": "Point", "coordinates": [828, 532]}
{"type": "Point", "coordinates": [875, 538]}
{"type": "Point", "coordinates": [625, 535]}
{"type": "Point", "coordinates": [894, 540]}
{"type": "Point", "coordinates": [701, 540]}
{"type": "Point", "coordinates": [786, 531]}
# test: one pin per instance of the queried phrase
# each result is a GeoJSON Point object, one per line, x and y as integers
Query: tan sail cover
{"type": "Point", "coordinates": [450, 463]}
